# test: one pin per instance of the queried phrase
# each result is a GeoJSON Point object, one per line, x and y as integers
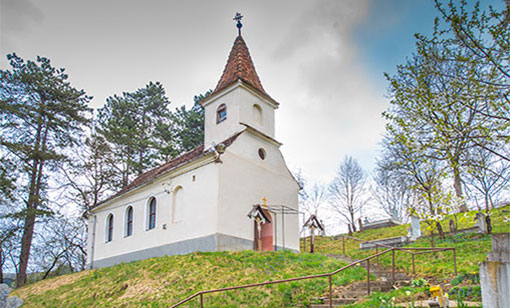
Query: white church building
{"type": "Point", "coordinates": [200, 201]}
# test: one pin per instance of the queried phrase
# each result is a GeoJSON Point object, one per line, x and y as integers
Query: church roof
{"type": "Point", "coordinates": [239, 67]}
{"type": "Point", "coordinates": [167, 167]}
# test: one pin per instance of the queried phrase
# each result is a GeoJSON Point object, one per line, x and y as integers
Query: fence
{"type": "Point", "coordinates": [392, 250]}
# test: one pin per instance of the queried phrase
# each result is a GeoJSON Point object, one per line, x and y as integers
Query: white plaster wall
{"type": "Point", "coordinates": [90, 230]}
{"type": "Point", "coordinates": [198, 214]}
{"type": "Point", "coordinates": [239, 102]}
{"type": "Point", "coordinates": [214, 132]}
{"type": "Point", "coordinates": [245, 179]}
{"type": "Point", "coordinates": [247, 100]}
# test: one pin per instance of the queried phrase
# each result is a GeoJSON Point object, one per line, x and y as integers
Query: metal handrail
{"type": "Point", "coordinates": [403, 249]}
{"type": "Point", "coordinates": [361, 240]}
{"type": "Point", "coordinates": [329, 275]}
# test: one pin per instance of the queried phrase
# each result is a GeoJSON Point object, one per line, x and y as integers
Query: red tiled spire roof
{"type": "Point", "coordinates": [239, 66]}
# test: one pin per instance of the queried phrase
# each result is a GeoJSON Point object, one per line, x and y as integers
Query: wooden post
{"type": "Point", "coordinates": [393, 266]}
{"type": "Point", "coordinates": [330, 293]}
{"type": "Point", "coordinates": [413, 263]}
{"type": "Point", "coordinates": [368, 276]}
{"type": "Point", "coordinates": [312, 239]}
{"type": "Point", "coordinates": [377, 251]}
{"type": "Point", "coordinates": [455, 261]}
{"type": "Point", "coordinates": [343, 245]}
{"type": "Point", "coordinates": [201, 300]}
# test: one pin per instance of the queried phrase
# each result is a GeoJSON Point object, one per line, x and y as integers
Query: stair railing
{"type": "Point", "coordinates": [422, 250]}
{"type": "Point", "coordinates": [408, 250]}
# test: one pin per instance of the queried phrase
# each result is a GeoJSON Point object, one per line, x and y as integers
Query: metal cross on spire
{"type": "Point", "coordinates": [239, 25]}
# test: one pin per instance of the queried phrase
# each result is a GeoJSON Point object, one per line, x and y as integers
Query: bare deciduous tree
{"type": "Point", "coordinates": [315, 198]}
{"type": "Point", "coordinates": [392, 191]}
{"type": "Point", "coordinates": [348, 191]}
{"type": "Point", "coordinates": [9, 247]}
{"type": "Point", "coordinates": [60, 246]}
{"type": "Point", "coordinates": [489, 175]}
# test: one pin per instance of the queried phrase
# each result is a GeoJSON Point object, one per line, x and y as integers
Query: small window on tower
{"type": "Point", "coordinates": [257, 114]}
{"type": "Point", "coordinates": [221, 113]}
{"type": "Point", "coordinates": [262, 153]}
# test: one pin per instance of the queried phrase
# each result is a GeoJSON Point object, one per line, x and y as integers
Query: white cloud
{"type": "Point", "coordinates": [329, 108]}
{"type": "Point", "coordinates": [304, 52]}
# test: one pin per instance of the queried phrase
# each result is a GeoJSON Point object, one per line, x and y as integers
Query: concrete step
{"type": "Point", "coordinates": [349, 292]}
{"type": "Point", "coordinates": [337, 302]}
{"type": "Point", "coordinates": [387, 275]}
{"type": "Point", "coordinates": [361, 284]}
{"type": "Point", "coordinates": [364, 288]}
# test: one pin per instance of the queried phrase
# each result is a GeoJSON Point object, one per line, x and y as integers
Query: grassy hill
{"type": "Point", "coordinates": [471, 248]}
{"type": "Point", "coordinates": [161, 282]}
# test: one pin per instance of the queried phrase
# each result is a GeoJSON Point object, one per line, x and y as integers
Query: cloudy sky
{"type": "Point", "coordinates": [323, 61]}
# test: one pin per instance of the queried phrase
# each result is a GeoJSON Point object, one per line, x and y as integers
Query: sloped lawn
{"type": "Point", "coordinates": [161, 282]}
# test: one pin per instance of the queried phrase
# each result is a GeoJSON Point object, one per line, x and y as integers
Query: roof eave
{"type": "Point", "coordinates": [261, 135]}
{"type": "Point", "coordinates": [203, 159]}
{"type": "Point", "coordinates": [239, 83]}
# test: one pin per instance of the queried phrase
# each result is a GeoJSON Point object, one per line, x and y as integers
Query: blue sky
{"type": "Point", "coordinates": [386, 38]}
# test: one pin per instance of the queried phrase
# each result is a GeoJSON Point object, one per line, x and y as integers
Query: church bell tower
{"type": "Point", "coordinates": [239, 100]}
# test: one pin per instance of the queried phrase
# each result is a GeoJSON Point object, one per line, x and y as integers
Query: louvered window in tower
{"type": "Point", "coordinates": [221, 113]}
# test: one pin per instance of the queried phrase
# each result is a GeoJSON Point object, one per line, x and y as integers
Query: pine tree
{"type": "Point", "coordinates": [188, 125]}
{"type": "Point", "coordinates": [129, 123]}
{"type": "Point", "coordinates": [42, 116]}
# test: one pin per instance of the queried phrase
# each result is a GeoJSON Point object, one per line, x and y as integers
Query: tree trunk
{"type": "Point", "coordinates": [488, 224]}
{"type": "Point", "coordinates": [32, 203]}
{"type": "Point", "coordinates": [2, 260]}
{"type": "Point", "coordinates": [141, 148]}
{"type": "Point", "coordinates": [431, 237]}
{"type": "Point", "coordinates": [440, 230]}
{"type": "Point", "coordinates": [457, 185]}
{"type": "Point", "coordinates": [353, 222]}
{"type": "Point", "coordinates": [28, 228]}
{"type": "Point", "coordinates": [26, 243]}
{"type": "Point", "coordinates": [487, 214]}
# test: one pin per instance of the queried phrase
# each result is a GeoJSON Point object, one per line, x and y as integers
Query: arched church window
{"type": "Point", "coordinates": [257, 114]}
{"type": "Point", "coordinates": [129, 221]}
{"type": "Point", "coordinates": [151, 211]}
{"type": "Point", "coordinates": [221, 113]}
{"type": "Point", "coordinates": [178, 204]}
{"type": "Point", "coordinates": [109, 228]}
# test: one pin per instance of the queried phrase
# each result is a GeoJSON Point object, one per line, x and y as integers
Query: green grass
{"type": "Point", "coordinates": [161, 282]}
{"type": "Point", "coordinates": [471, 248]}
